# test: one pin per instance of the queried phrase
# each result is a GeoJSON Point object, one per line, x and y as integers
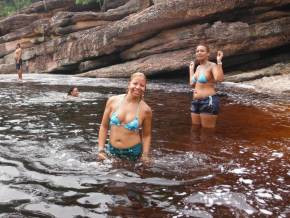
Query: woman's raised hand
{"type": "Point", "coordinates": [191, 65]}
{"type": "Point", "coordinates": [219, 56]}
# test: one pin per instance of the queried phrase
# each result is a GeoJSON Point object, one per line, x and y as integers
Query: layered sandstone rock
{"type": "Point", "coordinates": [276, 69]}
{"type": "Point", "coordinates": [155, 37]}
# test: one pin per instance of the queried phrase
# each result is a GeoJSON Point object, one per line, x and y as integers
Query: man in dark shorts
{"type": "Point", "coordinates": [18, 60]}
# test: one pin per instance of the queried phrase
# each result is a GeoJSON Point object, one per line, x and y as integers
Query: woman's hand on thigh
{"type": "Point", "coordinates": [102, 155]}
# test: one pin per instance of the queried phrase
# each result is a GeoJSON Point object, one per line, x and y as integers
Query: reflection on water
{"type": "Point", "coordinates": [48, 165]}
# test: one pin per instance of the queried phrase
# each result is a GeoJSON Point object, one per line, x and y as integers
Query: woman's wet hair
{"type": "Point", "coordinates": [70, 90]}
{"type": "Point", "coordinates": [206, 48]}
{"type": "Point", "coordinates": [18, 45]}
{"type": "Point", "coordinates": [138, 74]}
{"type": "Point", "coordinates": [204, 45]}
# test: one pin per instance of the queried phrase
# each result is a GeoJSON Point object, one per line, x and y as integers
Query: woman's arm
{"type": "Point", "coordinates": [146, 133]}
{"type": "Point", "coordinates": [217, 70]}
{"type": "Point", "coordinates": [103, 132]}
{"type": "Point", "coordinates": [191, 73]}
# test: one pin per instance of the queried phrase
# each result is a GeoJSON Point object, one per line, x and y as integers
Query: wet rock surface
{"type": "Point", "coordinates": [274, 79]}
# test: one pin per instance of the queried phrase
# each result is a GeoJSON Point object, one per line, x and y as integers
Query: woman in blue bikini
{"type": "Point", "coordinates": [205, 102]}
{"type": "Point", "coordinates": [129, 119]}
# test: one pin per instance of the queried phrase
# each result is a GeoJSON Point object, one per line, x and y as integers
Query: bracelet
{"type": "Point", "coordinates": [219, 63]}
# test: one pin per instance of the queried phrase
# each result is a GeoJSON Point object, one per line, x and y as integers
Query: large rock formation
{"type": "Point", "coordinates": [155, 37]}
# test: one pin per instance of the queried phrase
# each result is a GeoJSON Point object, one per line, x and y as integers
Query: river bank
{"type": "Point", "coordinates": [274, 79]}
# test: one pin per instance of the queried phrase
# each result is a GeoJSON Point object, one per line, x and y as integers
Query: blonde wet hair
{"type": "Point", "coordinates": [138, 74]}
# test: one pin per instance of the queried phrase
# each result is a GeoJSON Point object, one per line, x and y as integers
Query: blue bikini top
{"type": "Point", "coordinates": [201, 78]}
{"type": "Point", "coordinates": [132, 125]}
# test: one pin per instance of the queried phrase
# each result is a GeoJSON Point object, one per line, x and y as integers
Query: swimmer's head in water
{"type": "Point", "coordinates": [73, 92]}
{"type": "Point", "coordinates": [137, 84]}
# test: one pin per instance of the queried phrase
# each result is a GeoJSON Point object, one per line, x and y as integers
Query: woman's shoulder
{"type": "Point", "coordinates": [114, 98]}
{"type": "Point", "coordinates": [146, 108]}
{"type": "Point", "coordinates": [114, 101]}
{"type": "Point", "coordinates": [212, 64]}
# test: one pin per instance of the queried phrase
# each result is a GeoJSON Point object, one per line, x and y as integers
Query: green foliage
{"type": "Point", "coordinates": [85, 2]}
{"type": "Point", "coordinates": [8, 7]}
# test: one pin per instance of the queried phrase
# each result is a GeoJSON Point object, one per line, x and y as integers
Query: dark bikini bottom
{"type": "Point", "coordinates": [132, 153]}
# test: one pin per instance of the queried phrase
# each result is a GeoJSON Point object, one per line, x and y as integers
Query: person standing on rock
{"type": "Point", "coordinates": [18, 60]}
{"type": "Point", "coordinates": [129, 119]}
{"type": "Point", "coordinates": [203, 75]}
